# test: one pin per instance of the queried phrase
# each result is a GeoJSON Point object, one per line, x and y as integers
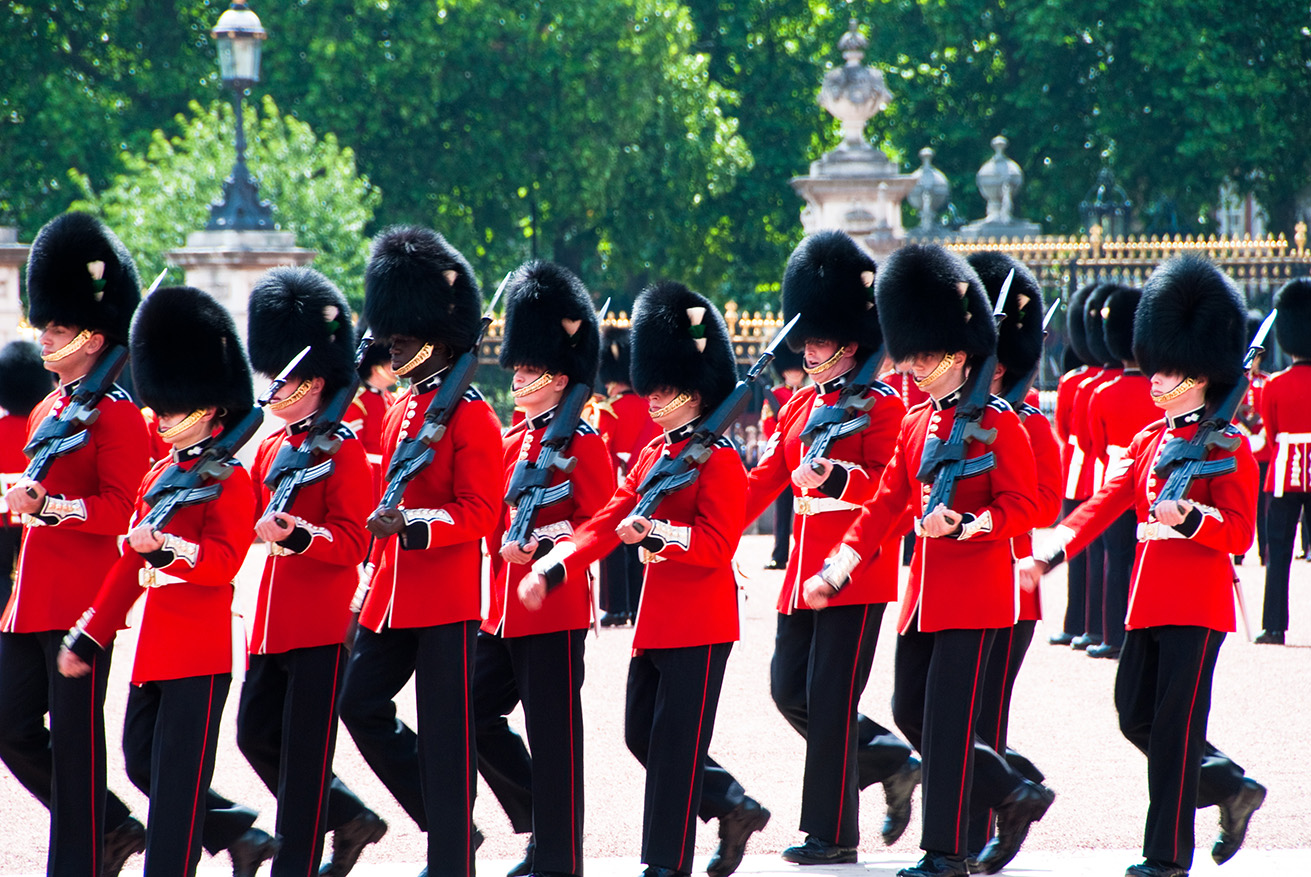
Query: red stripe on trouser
{"type": "Point", "coordinates": [1188, 732]}
{"type": "Point", "coordinates": [696, 756]}
{"type": "Point", "coordinates": [195, 802]}
{"type": "Point", "coordinates": [326, 767]}
{"type": "Point", "coordinates": [969, 738]}
{"type": "Point", "coordinates": [851, 706]}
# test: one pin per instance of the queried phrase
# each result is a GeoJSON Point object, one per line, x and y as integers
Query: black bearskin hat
{"type": "Point", "coordinates": [616, 357]}
{"type": "Point", "coordinates": [1070, 360]}
{"type": "Point", "coordinates": [186, 355]}
{"type": "Point", "coordinates": [550, 323]}
{"type": "Point", "coordinates": [677, 350]}
{"type": "Point", "coordinates": [1293, 325]}
{"type": "Point", "coordinates": [1020, 335]}
{"type": "Point", "coordinates": [1117, 320]}
{"type": "Point", "coordinates": [829, 280]}
{"type": "Point", "coordinates": [292, 308]}
{"type": "Point", "coordinates": [24, 381]}
{"type": "Point", "coordinates": [378, 353]}
{"type": "Point", "coordinates": [785, 358]}
{"type": "Point", "coordinates": [1094, 333]}
{"type": "Point", "coordinates": [1192, 320]}
{"type": "Point", "coordinates": [80, 274]}
{"type": "Point", "coordinates": [1076, 329]}
{"type": "Point", "coordinates": [930, 300]}
{"type": "Point", "coordinates": [419, 285]}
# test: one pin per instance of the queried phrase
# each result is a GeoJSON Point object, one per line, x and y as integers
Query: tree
{"type": "Point", "coordinates": [165, 193]}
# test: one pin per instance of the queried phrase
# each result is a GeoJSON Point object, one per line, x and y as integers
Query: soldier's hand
{"type": "Point", "coordinates": [1172, 512]}
{"type": "Point", "coordinates": [71, 666]}
{"type": "Point", "coordinates": [512, 552]}
{"type": "Point", "coordinates": [26, 497]}
{"type": "Point", "coordinates": [633, 529]}
{"type": "Point", "coordinates": [940, 522]}
{"type": "Point", "coordinates": [1030, 571]}
{"type": "Point", "coordinates": [275, 527]}
{"type": "Point", "coordinates": [385, 522]}
{"type": "Point", "coordinates": [817, 592]}
{"type": "Point", "coordinates": [143, 539]}
{"type": "Point", "coordinates": [808, 479]}
{"type": "Point", "coordinates": [532, 591]}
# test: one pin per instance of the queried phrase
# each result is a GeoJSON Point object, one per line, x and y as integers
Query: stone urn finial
{"type": "Point", "coordinates": [999, 179]}
{"type": "Point", "coordinates": [931, 191]}
{"type": "Point", "coordinates": [853, 93]}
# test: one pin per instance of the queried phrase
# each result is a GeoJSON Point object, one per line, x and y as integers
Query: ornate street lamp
{"type": "Point", "coordinates": [240, 37]}
{"type": "Point", "coordinates": [1107, 205]}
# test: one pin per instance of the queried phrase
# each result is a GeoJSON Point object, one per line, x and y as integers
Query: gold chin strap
{"type": "Point", "coordinates": [295, 397]}
{"type": "Point", "coordinates": [529, 389]}
{"type": "Point", "coordinates": [419, 359]}
{"type": "Point", "coordinates": [182, 425]}
{"type": "Point", "coordinates": [826, 364]}
{"type": "Point", "coordinates": [70, 348]}
{"type": "Point", "coordinates": [678, 402]}
{"type": "Point", "coordinates": [1170, 395]}
{"type": "Point", "coordinates": [939, 370]}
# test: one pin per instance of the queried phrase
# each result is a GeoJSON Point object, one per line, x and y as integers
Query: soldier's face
{"type": "Point", "coordinates": [69, 364]}
{"type": "Point", "coordinates": [1176, 393]}
{"type": "Point", "coordinates": [194, 432]}
{"type": "Point", "coordinates": [668, 412]}
{"type": "Point", "coordinates": [294, 402]}
{"type": "Point", "coordinates": [543, 395]}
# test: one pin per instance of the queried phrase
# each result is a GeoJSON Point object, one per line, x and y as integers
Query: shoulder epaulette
{"type": "Point", "coordinates": [997, 403]}
{"type": "Point", "coordinates": [585, 428]}
{"type": "Point", "coordinates": [1027, 410]}
{"type": "Point", "coordinates": [882, 389]}
{"type": "Point", "coordinates": [472, 395]}
{"type": "Point", "coordinates": [726, 442]}
{"type": "Point", "coordinates": [118, 394]}
{"type": "Point", "coordinates": [1232, 429]}
{"type": "Point", "coordinates": [345, 432]}
{"type": "Point", "coordinates": [923, 403]}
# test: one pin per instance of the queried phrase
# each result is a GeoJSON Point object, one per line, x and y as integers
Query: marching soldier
{"type": "Point", "coordinates": [533, 652]}
{"type": "Point", "coordinates": [371, 403]}
{"type": "Point", "coordinates": [1189, 336]}
{"type": "Point", "coordinates": [1118, 410]}
{"type": "Point", "coordinates": [24, 382]}
{"type": "Point", "coordinates": [823, 650]}
{"type": "Point", "coordinates": [421, 613]}
{"type": "Point", "coordinates": [683, 365]}
{"type": "Point", "coordinates": [935, 319]}
{"type": "Point", "coordinates": [189, 366]}
{"type": "Point", "coordinates": [287, 717]}
{"type": "Point", "coordinates": [624, 422]}
{"type": "Point", "coordinates": [1287, 419]}
{"type": "Point", "coordinates": [788, 366]}
{"type": "Point", "coordinates": [1019, 348]}
{"type": "Point", "coordinates": [1249, 421]}
{"type": "Point", "coordinates": [82, 290]}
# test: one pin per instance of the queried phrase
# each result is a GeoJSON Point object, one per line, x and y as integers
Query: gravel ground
{"type": "Point", "coordinates": [1063, 719]}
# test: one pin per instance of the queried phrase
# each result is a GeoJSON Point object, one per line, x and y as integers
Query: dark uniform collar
{"type": "Point", "coordinates": [1133, 372]}
{"type": "Point", "coordinates": [951, 399]}
{"type": "Point", "coordinates": [543, 420]}
{"type": "Point", "coordinates": [683, 432]}
{"type": "Point", "coordinates": [430, 383]}
{"type": "Point", "coordinates": [1192, 418]}
{"type": "Point", "coordinates": [183, 455]}
{"type": "Point", "coordinates": [302, 425]}
{"type": "Point", "coordinates": [67, 390]}
{"type": "Point", "coordinates": [826, 387]}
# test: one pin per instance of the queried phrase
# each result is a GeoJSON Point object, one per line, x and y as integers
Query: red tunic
{"type": "Point", "coordinates": [66, 554]}
{"type": "Point", "coordinates": [1286, 410]}
{"type": "Point", "coordinates": [1118, 410]}
{"type": "Point", "coordinates": [1047, 460]}
{"type": "Point", "coordinates": [1250, 421]}
{"type": "Point", "coordinates": [187, 621]}
{"type": "Point", "coordinates": [859, 461]}
{"type": "Point", "coordinates": [310, 577]}
{"type": "Point", "coordinates": [689, 595]}
{"type": "Point", "coordinates": [568, 607]}
{"type": "Point", "coordinates": [965, 582]}
{"type": "Point", "coordinates": [431, 574]}
{"type": "Point", "coordinates": [624, 421]}
{"type": "Point", "coordinates": [13, 436]}
{"type": "Point", "coordinates": [1079, 475]}
{"type": "Point", "coordinates": [904, 385]}
{"type": "Point", "coordinates": [768, 421]}
{"type": "Point", "coordinates": [1176, 579]}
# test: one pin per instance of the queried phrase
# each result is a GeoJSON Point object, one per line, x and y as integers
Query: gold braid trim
{"type": "Point", "coordinates": [943, 366]}
{"type": "Point", "coordinates": [419, 359]}
{"type": "Point", "coordinates": [70, 348]}
{"type": "Point", "coordinates": [295, 397]}
{"type": "Point", "coordinates": [182, 425]}
{"type": "Point", "coordinates": [1170, 395]}
{"type": "Point", "coordinates": [529, 389]}
{"type": "Point", "coordinates": [826, 364]}
{"type": "Point", "coordinates": [678, 402]}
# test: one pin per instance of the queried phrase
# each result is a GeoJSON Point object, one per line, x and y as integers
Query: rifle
{"type": "Point", "coordinates": [178, 487]}
{"type": "Point", "coordinates": [294, 468]}
{"type": "Point", "coordinates": [671, 474]}
{"type": "Point", "coordinates": [413, 454]}
{"type": "Point", "coordinates": [943, 462]}
{"type": "Point", "coordinates": [1183, 461]}
{"type": "Point", "coordinates": [850, 414]}
{"type": "Point", "coordinates": [58, 436]}
{"type": "Point", "coordinates": [528, 492]}
{"type": "Point", "coordinates": [1020, 390]}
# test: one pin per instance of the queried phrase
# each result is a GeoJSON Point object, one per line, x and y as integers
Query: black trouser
{"type": "Point", "coordinates": [1121, 541]}
{"type": "Point", "coordinates": [542, 793]}
{"type": "Point", "coordinates": [669, 716]}
{"type": "Point", "coordinates": [1096, 586]}
{"type": "Point", "coordinates": [63, 766]}
{"type": "Point", "coordinates": [1262, 508]}
{"type": "Point", "coordinates": [820, 666]}
{"type": "Point", "coordinates": [432, 774]}
{"type": "Point", "coordinates": [621, 581]}
{"type": "Point", "coordinates": [170, 736]}
{"type": "Point", "coordinates": [1163, 697]}
{"type": "Point", "coordinates": [782, 527]}
{"type": "Point", "coordinates": [1076, 617]}
{"type": "Point", "coordinates": [938, 684]}
{"type": "Point", "coordinates": [11, 538]}
{"type": "Point", "coordinates": [993, 722]}
{"type": "Point", "coordinates": [1281, 521]}
{"type": "Point", "coordinates": [287, 729]}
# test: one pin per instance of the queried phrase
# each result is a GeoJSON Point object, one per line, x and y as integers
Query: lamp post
{"type": "Point", "coordinates": [1107, 205]}
{"type": "Point", "coordinates": [239, 36]}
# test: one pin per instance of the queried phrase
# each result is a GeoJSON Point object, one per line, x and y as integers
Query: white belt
{"type": "Point", "coordinates": [1286, 441]}
{"type": "Point", "coordinates": [814, 505]}
{"type": "Point", "coordinates": [1155, 530]}
{"type": "Point", "coordinates": [149, 577]}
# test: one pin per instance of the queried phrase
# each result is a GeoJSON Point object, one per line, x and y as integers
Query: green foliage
{"type": "Point", "coordinates": [165, 193]}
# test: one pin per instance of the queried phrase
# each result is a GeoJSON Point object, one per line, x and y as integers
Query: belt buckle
{"type": "Point", "coordinates": [805, 506]}
{"type": "Point", "coordinates": [146, 578]}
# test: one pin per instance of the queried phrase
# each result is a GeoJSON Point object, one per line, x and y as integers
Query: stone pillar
{"type": "Point", "coordinates": [227, 264]}
{"type": "Point", "coordinates": [999, 180]}
{"type": "Point", "coordinates": [13, 256]}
